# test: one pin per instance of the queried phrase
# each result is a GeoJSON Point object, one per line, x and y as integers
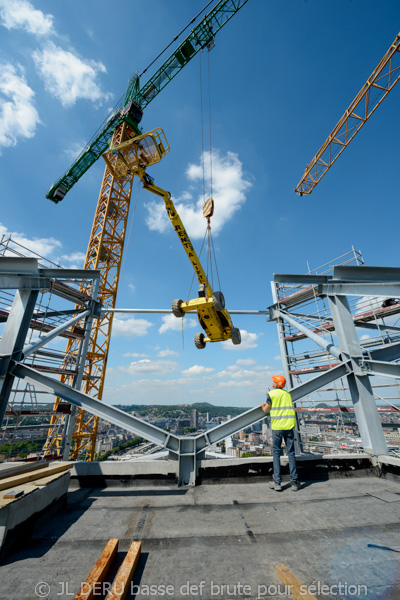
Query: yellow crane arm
{"type": "Point", "coordinates": [132, 157]}
{"type": "Point", "coordinates": [175, 219]}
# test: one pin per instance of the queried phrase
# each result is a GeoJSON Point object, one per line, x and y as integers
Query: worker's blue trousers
{"type": "Point", "coordinates": [288, 436]}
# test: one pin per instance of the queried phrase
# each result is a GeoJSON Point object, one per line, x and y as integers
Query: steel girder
{"type": "Point", "coordinates": [357, 363]}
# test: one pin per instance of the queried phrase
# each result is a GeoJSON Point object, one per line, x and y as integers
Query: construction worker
{"type": "Point", "coordinates": [283, 421]}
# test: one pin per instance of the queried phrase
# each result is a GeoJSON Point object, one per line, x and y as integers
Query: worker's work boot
{"type": "Point", "coordinates": [295, 486]}
{"type": "Point", "coordinates": [275, 486]}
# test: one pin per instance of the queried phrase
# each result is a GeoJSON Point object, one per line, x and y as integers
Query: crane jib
{"type": "Point", "coordinates": [200, 37]}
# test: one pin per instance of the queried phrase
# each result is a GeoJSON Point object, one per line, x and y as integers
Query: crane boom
{"type": "Point", "coordinates": [136, 98]}
{"type": "Point", "coordinates": [381, 81]}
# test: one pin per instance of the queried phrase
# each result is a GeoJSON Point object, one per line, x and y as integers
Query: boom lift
{"type": "Point", "coordinates": [133, 157]}
{"type": "Point", "coordinates": [107, 238]}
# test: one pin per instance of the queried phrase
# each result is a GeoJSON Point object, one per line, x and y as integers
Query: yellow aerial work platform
{"type": "Point", "coordinates": [133, 157]}
{"type": "Point", "coordinates": [137, 153]}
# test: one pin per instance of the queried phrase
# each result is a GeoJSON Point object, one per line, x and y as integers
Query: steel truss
{"type": "Point", "coordinates": [352, 360]}
{"type": "Point", "coordinates": [354, 363]}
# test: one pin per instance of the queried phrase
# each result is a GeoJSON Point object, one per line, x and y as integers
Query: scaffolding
{"type": "Point", "coordinates": [30, 413]}
{"type": "Point", "coordinates": [308, 318]}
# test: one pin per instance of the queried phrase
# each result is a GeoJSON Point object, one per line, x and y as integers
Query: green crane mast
{"type": "Point", "coordinates": [137, 97]}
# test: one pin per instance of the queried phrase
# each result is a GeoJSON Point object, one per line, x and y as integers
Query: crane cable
{"type": "Point", "coordinates": [211, 256]}
{"type": "Point", "coordinates": [130, 230]}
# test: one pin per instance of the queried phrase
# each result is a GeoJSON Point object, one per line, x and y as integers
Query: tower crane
{"type": "Point", "coordinates": [374, 91]}
{"type": "Point", "coordinates": [106, 242]}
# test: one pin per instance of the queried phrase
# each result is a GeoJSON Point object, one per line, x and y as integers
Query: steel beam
{"type": "Point", "coordinates": [359, 383]}
{"type": "Point", "coordinates": [318, 339]}
{"type": "Point", "coordinates": [23, 282]}
{"type": "Point", "coordinates": [360, 288]}
{"type": "Point", "coordinates": [349, 272]}
{"type": "Point", "coordinates": [388, 353]}
{"type": "Point", "coordinates": [385, 369]}
{"type": "Point", "coordinates": [301, 279]}
{"type": "Point", "coordinates": [312, 385]}
{"type": "Point", "coordinates": [42, 341]}
{"type": "Point", "coordinates": [377, 327]}
{"type": "Point", "coordinates": [96, 407]}
{"type": "Point", "coordinates": [12, 341]}
{"type": "Point", "coordinates": [164, 311]}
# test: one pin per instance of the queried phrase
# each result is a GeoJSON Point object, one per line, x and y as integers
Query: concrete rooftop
{"type": "Point", "coordinates": [338, 531]}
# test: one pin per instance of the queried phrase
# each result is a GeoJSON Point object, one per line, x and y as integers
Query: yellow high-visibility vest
{"type": "Point", "coordinates": [282, 412]}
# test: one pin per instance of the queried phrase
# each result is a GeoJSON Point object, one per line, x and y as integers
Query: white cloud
{"type": "Point", "coordinates": [20, 14]}
{"type": "Point", "coordinates": [197, 370]}
{"type": "Point", "coordinates": [43, 246]}
{"type": "Point", "coordinates": [246, 362]}
{"type": "Point", "coordinates": [130, 327]}
{"type": "Point", "coordinates": [18, 115]}
{"type": "Point", "coordinates": [229, 187]}
{"type": "Point", "coordinates": [67, 77]}
{"type": "Point", "coordinates": [151, 367]}
{"type": "Point", "coordinates": [75, 260]}
{"type": "Point", "coordinates": [75, 149]}
{"type": "Point", "coordinates": [135, 355]}
{"type": "Point", "coordinates": [278, 357]}
{"type": "Point", "coordinates": [171, 323]}
{"type": "Point", "coordinates": [239, 374]}
{"type": "Point", "coordinates": [246, 384]}
{"type": "Point", "coordinates": [167, 352]}
{"type": "Point", "coordinates": [132, 287]}
{"type": "Point", "coordinates": [249, 340]}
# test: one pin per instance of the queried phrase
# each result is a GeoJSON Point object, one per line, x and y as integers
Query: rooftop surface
{"type": "Point", "coordinates": [338, 532]}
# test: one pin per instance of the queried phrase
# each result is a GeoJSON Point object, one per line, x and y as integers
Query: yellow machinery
{"type": "Point", "coordinates": [132, 158]}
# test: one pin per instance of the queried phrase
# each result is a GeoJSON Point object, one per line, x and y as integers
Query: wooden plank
{"type": "Point", "coordinates": [297, 589]}
{"type": "Point", "coordinates": [120, 587]}
{"type": "Point", "coordinates": [11, 470]}
{"type": "Point", "coordinates": [27, 488]}
{"type": "Point", "coordinates": [17, 480]}
{"type": "Point", "coordinates": [13, 494]}
{"type": "Point", "coordinates": [99, 571]}
{"type": "Point", "coordinates": [45, 480]}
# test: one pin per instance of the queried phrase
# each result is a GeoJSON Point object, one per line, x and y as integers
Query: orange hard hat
{"type": "Point", "coordinates": [279, 380]}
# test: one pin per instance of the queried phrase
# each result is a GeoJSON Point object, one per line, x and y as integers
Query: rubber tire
{"type": "Point", "coordinates": [199, 341]}
{"type": "Point", "coordinates": [218, 301]}
{"type": "Point", "coordinates": [176, 308]}
{"type": "Point", "coordinates": [236, 337]}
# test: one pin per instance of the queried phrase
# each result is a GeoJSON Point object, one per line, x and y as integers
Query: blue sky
{"type": "Point", "coordinates": [282, 74]}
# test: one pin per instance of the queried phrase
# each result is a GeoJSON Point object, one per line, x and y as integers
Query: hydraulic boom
{"type": "Point", "coordinates": [133, 157]}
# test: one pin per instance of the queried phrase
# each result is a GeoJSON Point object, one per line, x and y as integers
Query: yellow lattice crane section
{"type": "Point", "coordinates": [104, 253]}
{"type": "Point", "coordinates": [374, 91]}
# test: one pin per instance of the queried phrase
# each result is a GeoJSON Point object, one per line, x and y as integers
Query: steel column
{"type": "Point", "coordinates": [298, 446]}
{"type": "Point", "coordinates": [13, 339]}
{"type": "Point", "coordinates": [359, 383]}
{"type": "Point", "coordinates": [65, 446]}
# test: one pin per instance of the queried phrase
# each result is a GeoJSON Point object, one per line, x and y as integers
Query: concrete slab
{"type": "Point", "coordinates": [200, 540]}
